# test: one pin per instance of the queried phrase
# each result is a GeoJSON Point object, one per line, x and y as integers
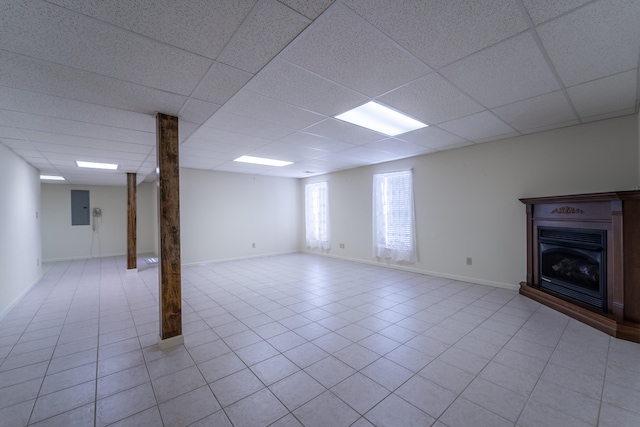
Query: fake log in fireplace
{"type": "Point", "coordinates": [583, 258]}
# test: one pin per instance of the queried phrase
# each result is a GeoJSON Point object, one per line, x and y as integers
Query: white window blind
{"type": "Point", "coordinates": [393, 217]}
{"type": "Point", "coordinates": [316, 198]}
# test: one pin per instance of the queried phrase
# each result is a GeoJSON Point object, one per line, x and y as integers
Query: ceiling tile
{"type": "Point", "coordinates": [200, 26]}
{"type": "Point", "coordinates": [220, 83]}
{"type": "Point", "coordinates": [204, 155]}
{"type": "Point", "coordinates": [310, 9]}
{"type": "Point", "coordinates": [552, 126]}
{"type": "Point", "coordinates": [3, 120]}
{"type": "Point", "coordinates": [226, 138]}
{"type": "Point", "coordinates": [17, 144]}
{"type": "Point", "coordinates": [441, 32]}
{"type": "Point", "coordinates": [608, 45]}
{"type": "Point", "coordinates": [83, 129]}
{"type": "Point", "coordinates": [366, 155]}
{"type": "Point", "coordinates": [28, 154]}
{"type": "Point", "coordinates": [432, 100]}
{"type": "Point", "coordinates": [269, 28]}
{"type": "Point", "coordinates": [50, 79]}
{"type": "Point", "coordinates": [477, 126]}
{"type": "Point", "coordinates": [510, 71]}
{"type": "Point", "coordinates": [339, 160]}
{"type": "Point", "coordinates": [256, 106]}
{"type": "Point", "coordinates": [512, 134]}
{"type": "Point", "coordinates": [96, 47]}
{"type": "Point", "coordinates": [89, 77]}
{"type": "Point", "coordinates": [86, 153]}
{"type": "Point", "coordinates": [9, 132]}
{"type": "Point", "coordinates": [288, 152]}
{"type": "Point", "coordinates": [434, 138]}
{"type": "Point", "coordinates": [398, 148]}
{"type": "Point", "coordinates": [354, 46]}
{"type": "Point", "coordinates": [315, 141]}
{"type": "Point", "coordinates": [197, 111]}
{"type": "Point", "coordinates": [54, 106]}
{"type": "Point", "coordinates": [239, 167]}
{"type": "Point", "coordinates": [259, 128]}
{"type": "Point", "coordinates": [195, 162]}
{"type": "Point", "coordinates": [540, 111]}
{"type": "Point", "coordinates": [287, 172]}
{"type": "Point", "coordinates": [185, 129]}
{"type": "Point", "coordinates": [343, 131]}
{"type": "Point", "coordinates": [290, 84]}
{"type": "Point", "coordinates": [73, 143]}
{"type": "Point", "coordinates": [605, 95]}
{"type": "Point", "coordinates": [541, 10]}
{"type": "Point", "coordinates": [610, 115]}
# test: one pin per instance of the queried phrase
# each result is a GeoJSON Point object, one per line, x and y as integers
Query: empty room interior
{"type": "Point", "coordinates": [254, 256]}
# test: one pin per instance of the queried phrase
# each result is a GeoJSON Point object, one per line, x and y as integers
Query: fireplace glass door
{"type": "Point", "coordinates": [572, 263]}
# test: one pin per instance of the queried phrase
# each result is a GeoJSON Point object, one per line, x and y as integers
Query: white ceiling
{"type": "Point", "coordinates": [83, 79]}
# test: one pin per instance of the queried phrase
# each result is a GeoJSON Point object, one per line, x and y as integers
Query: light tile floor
{"type": "Point", "coordinates": [304, 340]}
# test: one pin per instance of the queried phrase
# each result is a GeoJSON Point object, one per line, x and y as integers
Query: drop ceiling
{"type": "Point", "coordinates": [83, 79]}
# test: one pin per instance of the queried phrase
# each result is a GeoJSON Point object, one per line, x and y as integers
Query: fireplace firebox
{"type": "Point", "coordinates": [572, 263]}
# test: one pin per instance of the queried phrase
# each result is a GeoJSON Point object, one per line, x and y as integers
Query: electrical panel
{"type": "Point", "coordinates": [80, 212]}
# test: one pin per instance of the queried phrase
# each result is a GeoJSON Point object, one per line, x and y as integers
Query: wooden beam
{"type": "Point", "coordinates": [132, 258]}
{"type": "Point", "coordinates": [169, 271]}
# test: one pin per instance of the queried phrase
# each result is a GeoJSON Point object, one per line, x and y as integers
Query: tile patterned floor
{"type": "Point", "coordinates": [304, 340]}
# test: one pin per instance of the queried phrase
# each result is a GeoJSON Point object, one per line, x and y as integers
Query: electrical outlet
{"type": "Point", "coordinates": [253, 245]}
{"type": "Point", "coordinates": [341, 245]}
{"type": "Point", "coordinates": [469, 261]}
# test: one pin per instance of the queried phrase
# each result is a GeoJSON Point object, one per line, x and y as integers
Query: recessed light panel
{"type": "Point", "coordinates": [381, 119]}
{"type": "Point", "coordinates": [262, 161]}
{"type": "Point", "coordinates": [93, 165]}
{"type": "Point", "coordinates": [51, 178]}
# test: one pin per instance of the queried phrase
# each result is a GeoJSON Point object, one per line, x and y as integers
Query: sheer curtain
{"type": "Point", "coordinates": [316, 198]}
{"type": "Point", "coordinates": [393, 217]}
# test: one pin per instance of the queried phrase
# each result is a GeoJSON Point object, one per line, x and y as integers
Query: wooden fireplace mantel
{"type": "Point", "coordinates": [619, 214]}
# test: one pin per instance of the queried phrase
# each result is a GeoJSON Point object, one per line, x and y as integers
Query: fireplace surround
{"type": "Point", "coordinates": [583, 258]}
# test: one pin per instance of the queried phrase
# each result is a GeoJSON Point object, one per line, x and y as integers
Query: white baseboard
{"type": "Point", "coordinates": [19, 298]}
{"type": "Point", "coordinates": [465, 279]}
{"type": "Point", "coordinates": [170, 342]}
{"type": "Point", "coordinates": [242, 258]}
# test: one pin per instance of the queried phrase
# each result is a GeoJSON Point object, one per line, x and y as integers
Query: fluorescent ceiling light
{"type": "Point", "coordinates": [262, 161]}
{"type": "Point", "coordinates": [51, 178]}
{"type": "Point", "coordinates": [94, 165]}
{"type": "Point", "coordinates": [382, 119]}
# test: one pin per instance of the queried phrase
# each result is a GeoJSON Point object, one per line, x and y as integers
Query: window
{"type": "Point", "coordinates": [317, 215]}
{"type": "Point", "coordinates": [393, 218]}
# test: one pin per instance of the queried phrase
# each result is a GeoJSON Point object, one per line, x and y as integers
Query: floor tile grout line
{"type": "Point", "coordinates": [57, 341]}
{"type": "Point", "coordinates": [547, 362]}
{"type": "Point", "coordinates": [332, 300]}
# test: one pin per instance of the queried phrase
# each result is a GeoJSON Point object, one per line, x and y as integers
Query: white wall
{"type": "Point", "coordinates": [466, 200]}
{"type": "Point", "coordinates": [147, 218]}
{"type": "Point", "coordinates": [222, 214]}
{"type": "Point", "coordinates": [20, 244]}
{"type": "Point", "coordinates": [62, 241]}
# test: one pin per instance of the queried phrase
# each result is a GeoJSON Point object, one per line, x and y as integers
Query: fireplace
{"type": "Point", "coordinates": [572, 263]}
{"type": "Point", "coordinates": [583, 258]}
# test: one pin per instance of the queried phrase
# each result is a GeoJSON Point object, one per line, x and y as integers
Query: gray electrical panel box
{"type": "Point", "coordinates": [80, 212]}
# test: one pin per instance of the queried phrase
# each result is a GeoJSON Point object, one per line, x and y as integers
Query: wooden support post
{"type": "Point", "coordinates": [132, 258]}
{"type": "Point", "coordinates": [169, 271]}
